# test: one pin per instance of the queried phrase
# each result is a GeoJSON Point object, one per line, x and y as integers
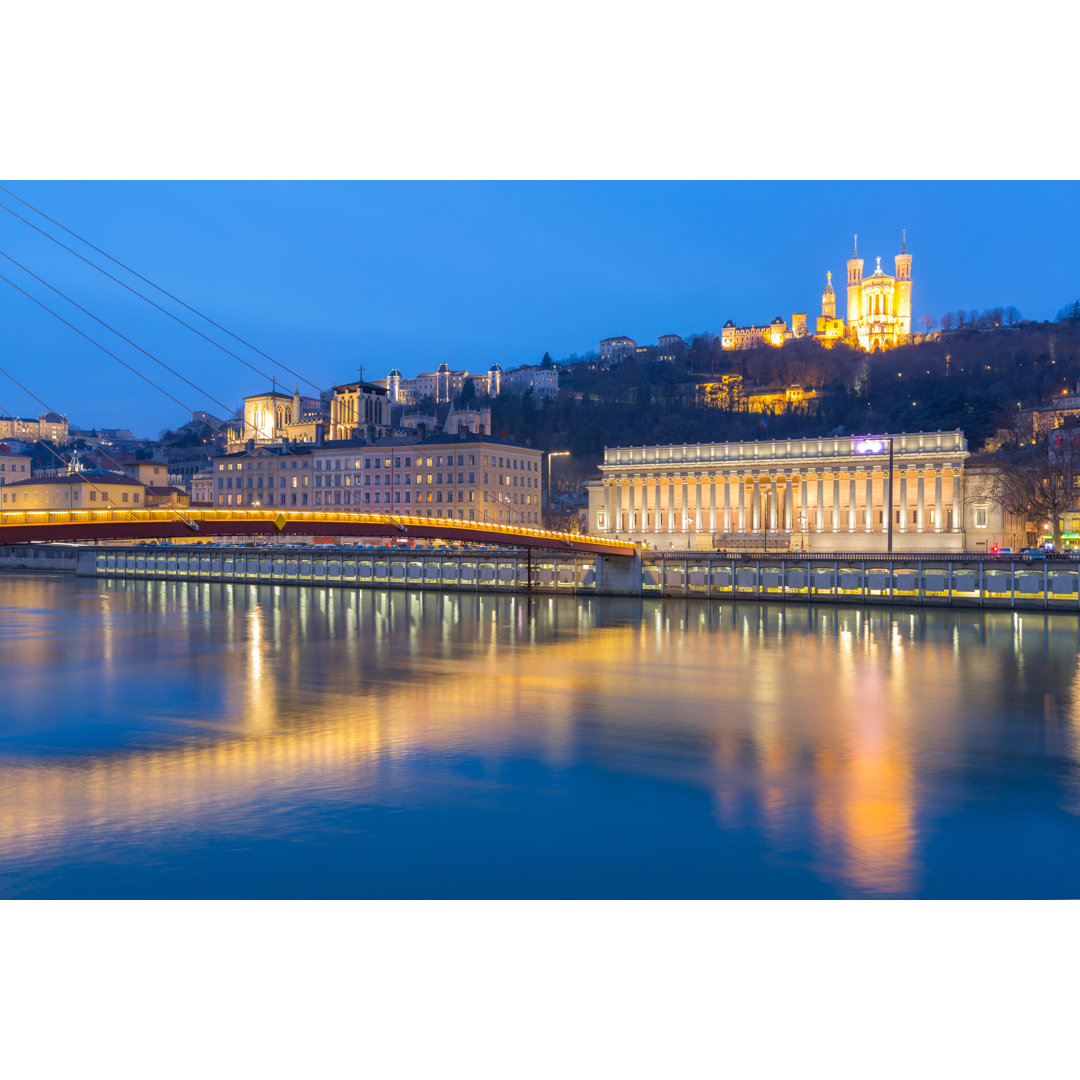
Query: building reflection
{"type": "Point", "coordinates": [818, 728]}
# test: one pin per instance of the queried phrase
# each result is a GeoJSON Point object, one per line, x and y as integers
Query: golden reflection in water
{"type": "Point", "coordinates": [813, 721]}
{"type": "Point", "coordinates": [831, 744]}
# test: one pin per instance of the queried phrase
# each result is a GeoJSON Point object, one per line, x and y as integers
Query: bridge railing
{"type": "Point", "coordinates": [319, 520]}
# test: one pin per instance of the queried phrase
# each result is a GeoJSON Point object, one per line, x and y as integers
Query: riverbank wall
{"type": "Point", "coordinates": [943, 582]}
{"type": "Point", "coordinates": [41, 558]}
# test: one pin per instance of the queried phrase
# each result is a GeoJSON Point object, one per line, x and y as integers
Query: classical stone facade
{"type": "Point", "coordinates": [819, 494]}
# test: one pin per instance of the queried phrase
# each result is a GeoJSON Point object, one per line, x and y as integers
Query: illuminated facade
{"type": "Point", "coordinates": [754, 337]}
{"type": "Point", "coordinates": [90, 489]}
{"type": "Point", "coordinates": [51, 427]}
{"type": "Point", "coordinates": [359, 409]}
{"type": "Point", "coordinates": [13, 466]}
{"type": "Point", "coordinates": [879, 307]}
{"type": "Point", "coordinates": [729, 393]}
{"type": "Point", "coordinates": [470, 478]}
{"type": "Point", "coordinates": [819, 494]}
{"type": "Point", "coordinates": [829, 327]}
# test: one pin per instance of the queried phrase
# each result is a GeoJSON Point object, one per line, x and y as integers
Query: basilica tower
{"type": "Point", "coordinates": [828, 299]}
{"type": "Point", "coordinates": [854, 285]}
{"type": "Point", "coordinates": [903, 289]}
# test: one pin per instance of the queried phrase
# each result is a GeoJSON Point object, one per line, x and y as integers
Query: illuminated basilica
{"type": "Point", "coordinates": [878, 307]}
{"type": "Point", "coordinates": [878, 311]}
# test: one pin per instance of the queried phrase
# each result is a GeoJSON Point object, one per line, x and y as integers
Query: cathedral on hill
{"type": "Point", "coordinates": [878, 307]}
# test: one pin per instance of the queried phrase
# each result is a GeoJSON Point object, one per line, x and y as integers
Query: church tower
{"type": "Point", "coordinates": [828, 299]}
{"type": "Point", "coordinates": [903, 289]}
{"type": "Point", "coordinates": [854, 285]}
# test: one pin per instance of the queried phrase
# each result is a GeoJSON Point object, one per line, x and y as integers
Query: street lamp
{"type": "Point", "coordinates": [552, 454]}
{"type": "Point", "coordinates": [875, 444]}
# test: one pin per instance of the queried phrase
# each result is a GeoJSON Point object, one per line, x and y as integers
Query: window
{"type": "Point", "coordinates": [980, 517]}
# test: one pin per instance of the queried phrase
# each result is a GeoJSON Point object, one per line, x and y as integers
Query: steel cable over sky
{"type": "Point", "coordinates": [152, 303]}
{"type": "Point", "coordinates": [113, 330]}
{"type": "Point", "coordinates": [104, 497]}
{"type": "Point", "coordinates": [144, 378]}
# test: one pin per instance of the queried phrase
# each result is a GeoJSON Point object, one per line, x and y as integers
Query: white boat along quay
{"type": "Point", "coordinates": [947, 580]}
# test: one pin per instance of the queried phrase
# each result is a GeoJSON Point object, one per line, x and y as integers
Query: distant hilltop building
{"type": "Point", "coordinates": [444, 384]}
{"type": "Point", "coordinates": [829, 327]}
{"type": "Point", "coordinates": [49, 426]}
{"type": "Point", "coordinates": [878, 311]}
{"type": "Point", "coordinates": [669, 347]}
{"type": "Point", "coordinates": [879, 307]}
{"type": "Point", "coordinates": [615, 349]}
{"type": "Point", "coordinates": [753, 337]}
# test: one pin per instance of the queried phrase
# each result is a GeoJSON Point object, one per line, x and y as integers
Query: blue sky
{"type": "Point", "coordinates": [330, 276]}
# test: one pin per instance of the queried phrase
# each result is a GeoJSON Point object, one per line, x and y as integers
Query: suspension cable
{"type": "Point", "coordinates": [172, 371]}
{"type": "Point", "coordinates": [164, 311]}
{"type": "Point", "coordinates": [164, 292]}
{"type": "Point", "coordinates": [101, 347]}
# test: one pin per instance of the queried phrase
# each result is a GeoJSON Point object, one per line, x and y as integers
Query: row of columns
{"type": "Point", "coordinates": [680, 513]}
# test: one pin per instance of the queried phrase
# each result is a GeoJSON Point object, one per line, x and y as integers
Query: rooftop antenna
{"type": "Point", "coordinates": [856, 253]}
{"type": "Point", "coordinates": [903, 243]}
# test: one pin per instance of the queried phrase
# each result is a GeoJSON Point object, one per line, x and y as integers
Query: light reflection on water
{"type": "Point", "coordinates": [195, 739]}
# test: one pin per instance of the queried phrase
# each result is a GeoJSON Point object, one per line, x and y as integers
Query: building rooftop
{"type": "Point", "coordinates": [368, 387]}
{"type": "Point", "coordinates": [87, 476]}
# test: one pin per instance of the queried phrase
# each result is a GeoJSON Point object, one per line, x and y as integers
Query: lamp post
{"type": "Point", "coordinates": [875, 444]}
{"type": "Point", "coordinates": [552, 454]}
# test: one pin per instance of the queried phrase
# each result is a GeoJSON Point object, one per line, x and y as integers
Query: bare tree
{"type": "Point", "coordinates": [1012, 316]}
{"type": "Point", "coordinates": [947, 321]}
{"type": "Point", "coordinates": [929, 322]}
{"type": "Point", "coordinates": [961, 319]}
{"type": "Point", "coordinates": [1041, 480]}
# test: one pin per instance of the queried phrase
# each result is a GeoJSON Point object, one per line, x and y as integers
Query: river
{"type": "Point", "coordinates": [166, 739]}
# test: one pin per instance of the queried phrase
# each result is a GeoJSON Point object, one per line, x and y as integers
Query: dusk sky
{"type": "Point", "coordinates": [326, 277]}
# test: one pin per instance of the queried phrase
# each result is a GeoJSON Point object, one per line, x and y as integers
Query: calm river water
{"type": "Point", "coordinates": [188, 740]}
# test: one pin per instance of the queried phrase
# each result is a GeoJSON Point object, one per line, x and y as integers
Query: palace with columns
{"type": "Point", "coordinates": [817, 494]}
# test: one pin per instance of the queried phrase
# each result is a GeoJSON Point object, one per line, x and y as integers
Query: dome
{"type": "Point", "coordinates": [394, 374]}
{"type": "Point", "coordinates": [829, 290]}
{"type": "Point", "coordinates": [495, 367]}
{"type": "Point", "coordinates": [444, 369]}
{"type": "Point", "coordinates": [728, 323]}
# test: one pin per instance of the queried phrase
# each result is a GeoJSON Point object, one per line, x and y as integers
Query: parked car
{"type": "Point", "coordinates": [1001, 552]}
{"type": "Point", "coordinates": [1034, 554]}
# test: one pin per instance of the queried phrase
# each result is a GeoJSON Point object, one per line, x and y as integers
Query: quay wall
{"type": "Point", "coordinates": [42, 558]}
{"type": "Point", "coordinates": [945, 580]}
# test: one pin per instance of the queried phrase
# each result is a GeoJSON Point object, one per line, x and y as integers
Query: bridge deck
{"type": "Point", "coordinates": [29, 526]}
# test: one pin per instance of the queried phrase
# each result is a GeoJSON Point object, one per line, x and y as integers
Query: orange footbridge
{"type": "Point", "coordinates": [81, 526]}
